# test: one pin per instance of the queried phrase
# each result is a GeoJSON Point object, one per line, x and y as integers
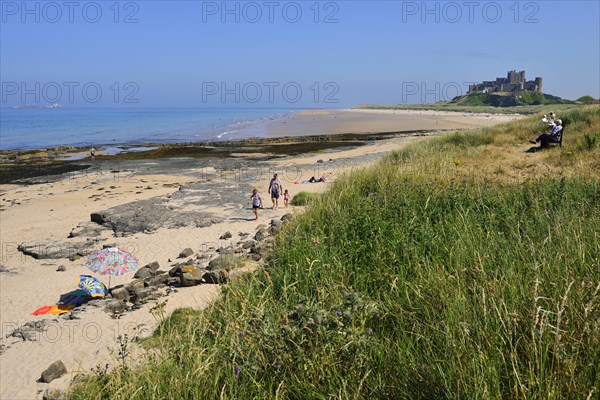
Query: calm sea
{"type": "Point", "coordinates": [34, 128]}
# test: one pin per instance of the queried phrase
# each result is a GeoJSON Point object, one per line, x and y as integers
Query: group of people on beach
{"type": "Point", "coordinates": [553, 135]}
{"type": "Point", "coordinates": [275, 190]}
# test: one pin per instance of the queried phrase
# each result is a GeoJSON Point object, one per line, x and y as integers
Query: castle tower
{"type": "Point", "coordinates": [511, 77]}
{"type": "Point", "coordinates": [538, 84]}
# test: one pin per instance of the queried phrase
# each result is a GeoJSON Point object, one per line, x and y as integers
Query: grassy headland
{"type": "Point", "coordinates": [473, 107]}
{"type": "Point", "coordinates": [458, 267]}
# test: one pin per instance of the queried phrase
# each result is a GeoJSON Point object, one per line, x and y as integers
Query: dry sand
{"type": "Point", "coordinates": [315, 122]}
{"type": "Point", "coordinates": [50, 210]}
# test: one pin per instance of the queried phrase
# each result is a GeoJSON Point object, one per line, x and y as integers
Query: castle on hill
{"type": "Point", "coordinates": [514, 84]}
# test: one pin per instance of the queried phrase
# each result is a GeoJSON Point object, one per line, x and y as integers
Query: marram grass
{"type": "Point", "coordinates": [409, 280]}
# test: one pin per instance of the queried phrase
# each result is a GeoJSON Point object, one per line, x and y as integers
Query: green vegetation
{"type": "Point", "coordinates": [500, 100]}
{"type": "Point", "coordinates": [478, 102]}
{"type": "Point", "coordinates": [475, 107]}
{"type": "Point", "coordinates": [585, 99]}
{"type": "Point", "coordinates": [304, 198]}
{"type": "Point", "coordinates": [459, 267]}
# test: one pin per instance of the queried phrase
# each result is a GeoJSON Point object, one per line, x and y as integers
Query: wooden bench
{"type": "Point", "coordinates": [562, 135]}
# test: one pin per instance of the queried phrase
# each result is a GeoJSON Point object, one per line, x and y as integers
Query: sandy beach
{"type": "Point", "coordinates": [204, 199]}
{"type": "Point", "coordinates": [363, 121]}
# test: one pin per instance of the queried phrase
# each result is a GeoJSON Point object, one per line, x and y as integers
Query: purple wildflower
{"type": "Point", "coordinates": [243, 333]}
{"type": "Point", "coordinates": [338, 313]}
{"type": "Point", "coordinates": [237, 371]}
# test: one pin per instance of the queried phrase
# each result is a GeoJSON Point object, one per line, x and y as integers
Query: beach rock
{"type": "Point", "coordinates": [226, 262]}
{"type": "Point", "coordinates": [250, 244]}
{"type": "Point", "coordinates": [157, 280]}
{"type": "Point", "coordinates": [150, 214]}
{"type": "Point", "coordinates": [61, 268]}
{"type": "Point", "coordinates": [173, 272]}
{"type": "Point", "coordinates": [225, 250]}
{"type": "Point", "coordinates": [135, 285]}
{"type": "Point", "coordinates": [146, 294]}
{"type": "Point", "coordinates": [256, 257]}
{"type": "Point", "coordinates": [188, 279]}
{"type": "Point", "coordinates": [71, 315]}
{"type": "Point", "coordinates": [109, 245]}
{"type": "Point", "coordinates": [87, 229]}
{"type": "Point", "coordinates": [186, 253]}
{"type": "Point", "coordinates": [261, 227]}
{"type": "Point", "coordinates": [4, 269]}
{"type": "Point", "coordinates": [30, 330]}
{"type": "Point", "coordinates": [260, 235]}
{"type": "Point", "coordinates": [147, 271]}
{"type": "Point", "coordinates": [115, 307]}
{"type": "Point", "coordinates": [54, 394]}
{"type": "Point", "coordinates": [188, 275]}
{"type": "Point", "coordinates": [287, 218]}
{"type": "Point", "coordinates": [226, 235]}
{"type": "Point", "coordinates": [121, 294]}
{"type": "Point", "coordinates": [54, 250]}
{"type": "Point", "coordinates": [144, 273]}
{"type": "Point", "coordinates": [216, 277]}
{"type": "Point", "coordinates": [54, 371]}
{"type": "Point", "coordinates": [276, 222]}
{"type": "Point", "coordinates": [263, 250]}
{"type": "Point", "coordinates": [154, 266]}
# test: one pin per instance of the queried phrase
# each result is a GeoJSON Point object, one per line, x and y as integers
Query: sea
{"type": "Point", "coordinates": [38, 128]}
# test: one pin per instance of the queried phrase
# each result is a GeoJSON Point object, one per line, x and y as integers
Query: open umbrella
{"type": "Point", "coordinates": [91, 286]}
{"type": "Point", "coordinates": [111, 261]}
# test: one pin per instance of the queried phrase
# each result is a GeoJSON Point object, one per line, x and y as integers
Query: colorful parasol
{"type": "Point", "coordinates": [92, 286]}
{"type": "Point", "coordinates": [111, 261]}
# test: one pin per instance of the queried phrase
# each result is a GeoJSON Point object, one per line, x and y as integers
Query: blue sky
{"type": "Point", "coordinates": [292, 54]}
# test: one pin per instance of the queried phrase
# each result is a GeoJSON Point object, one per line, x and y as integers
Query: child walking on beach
{"type": "Point", "coordinates": [256, 202]}
{"type": "Point", "coordinates": [286, 198]}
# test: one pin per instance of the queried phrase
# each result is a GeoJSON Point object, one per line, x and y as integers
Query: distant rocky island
{"type": "Point", "coordinates": [54, 105]}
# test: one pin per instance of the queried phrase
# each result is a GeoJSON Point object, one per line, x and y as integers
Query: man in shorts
{"type": "Point", "coordinates": [275, 188]}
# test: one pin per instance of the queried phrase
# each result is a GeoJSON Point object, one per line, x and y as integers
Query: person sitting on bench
{"type": "Point", "coordinates": [550, 137]}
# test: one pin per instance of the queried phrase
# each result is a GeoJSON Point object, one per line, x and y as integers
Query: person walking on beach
{"type": "Point", "coordinates": [93, 153]}
{"type": "Point", "coordinates": [256, 202]}
{"type": "Point", "coordinates": [286, 198]}
{"type": "Point", "coordinates": [275, 188]}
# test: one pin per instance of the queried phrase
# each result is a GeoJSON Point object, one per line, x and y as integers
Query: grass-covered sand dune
{"type": "Point", "coordinates": [471, 107]}
{"type": "Point", "coordinates": [459, 267]}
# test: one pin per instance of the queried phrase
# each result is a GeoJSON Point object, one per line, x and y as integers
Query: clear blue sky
{"type": "Point", "coordinates": [179, 53]}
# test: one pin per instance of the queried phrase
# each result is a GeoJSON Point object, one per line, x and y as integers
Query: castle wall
{"type": "Point", "coordinates": [513, 83]}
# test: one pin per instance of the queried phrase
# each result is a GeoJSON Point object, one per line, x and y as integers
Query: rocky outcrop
{"type": "Point", "coordinates": [54, 250]}
{"type": "Point", "coordinates": [149, 215]}
{"type": "Point", "coordinates": [54, 371]}
{"type": "Point", "coordinates": [226, 235]}
{"type": "Point", "coordinates": [30, 331]}
{"type": "Point", "coordinates": [88, 229]}
{"type": "Point", "coordinates": [186, 253]}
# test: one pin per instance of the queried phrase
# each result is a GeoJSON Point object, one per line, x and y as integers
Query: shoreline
{"type": "Point", "coordinates": [158, 206]}
{"type": "Point", "coordinates": [269, 126]}
{"type": "Point", "coordinates": [204, 197]}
